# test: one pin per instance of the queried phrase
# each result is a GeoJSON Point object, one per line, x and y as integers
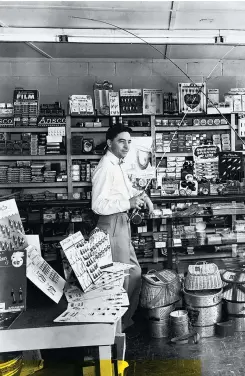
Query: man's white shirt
{"type": "Point", "coordinates": [111, 187]}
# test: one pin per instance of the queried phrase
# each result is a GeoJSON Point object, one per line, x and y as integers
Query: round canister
{"type": "Point", "coordinates": [159, 328]}
{"type": "Point", "coordinates": [204, 298]}
{"type": "Point", "coordinates": [205, 316]}
{"type": "Point", "coordinates": [179, 323]}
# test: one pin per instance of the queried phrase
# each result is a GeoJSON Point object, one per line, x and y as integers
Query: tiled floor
{"type": "Point", "coordinates": [210, 357]}
{"type": "Point", "coordinates": [156, 357]}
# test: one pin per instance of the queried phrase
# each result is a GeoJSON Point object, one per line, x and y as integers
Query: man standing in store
{"type": "Point", "coordinates": [112, 197]}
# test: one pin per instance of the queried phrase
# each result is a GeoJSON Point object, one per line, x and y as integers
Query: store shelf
{"type": "Point", "coordinates": [81, 184]}
{"type": "Point", "coordinates": [204, 256]}
{"type": "Point", "coordinates": [33, 185]}
{"type": "Point", "coordinates": [174, 154]}
{"type": "Point", "coordinates": [206, 199]}
{"type": "Point", "coordinates": [194, 128]}
{"type": "Point", "coordinates": [33, 157]}
{"type": "Point", "coordinates": [24, 129]}
{"type": "Point", "coordinates": [44, 203]}
{"type": "Point", "coordinates": [104, 129]}
{"type": "Point", "coordinates": [86, 156]}
{"type": "Point", "coordinates": [151, 259]}
{"type": "Point", "coordinates": [89, 129]}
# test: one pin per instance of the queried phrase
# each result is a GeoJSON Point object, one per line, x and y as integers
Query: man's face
{"type": "Point", "coordinates": [120, 145]}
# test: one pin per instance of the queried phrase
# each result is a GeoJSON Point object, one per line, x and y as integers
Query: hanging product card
{"type": "Point", "coordinates": [81, 259]}
{"type": "Point", "coordinates": [100, 247]}
{"type": "Point", "coordinates": [138, 161]}
{"type": "Point", "coordinates": [230, 165]}
{"type": "Point", "coordinates": [101, 97]}
{"type": "Point", "coordinates": [192, 98]}
{"type": "Point", "coordinates": [43, 275]}
{"type": "Point", "coordinates": [12, 281]}
{"type": "Point", "coordinates": [131, 101]}
{"type": "Point", "coordinates": [11, 229]}
{"type": "Point", "coordinates": [206, 161]}
{"type": "Point", "coordinates": [114, 103]}
{"type": "Point", "coordinates": [81, 105]}
{"type": "Point", "coordinates": [119, 300]}
{"type": "Point", "coordinates": [152, 102]}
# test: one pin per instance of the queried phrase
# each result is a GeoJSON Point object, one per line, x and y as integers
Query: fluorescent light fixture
{"type": "Point", "coordinates": [139, 36]}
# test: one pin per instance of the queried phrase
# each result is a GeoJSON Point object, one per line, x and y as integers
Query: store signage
{"type": "Point", "coordinates": [6, 121]}
{"type": "Point", "coordinates": [26, 95]}
{"type": "Point", "coordinates": [51, 121]}
{"type": "Point", "coordinates": [206, 152]}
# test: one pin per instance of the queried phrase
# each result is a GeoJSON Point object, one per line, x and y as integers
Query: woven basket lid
{"type": "Point", "coordinates": [234, 276]}
{"type": "Point", "coordinates": [164, 276]}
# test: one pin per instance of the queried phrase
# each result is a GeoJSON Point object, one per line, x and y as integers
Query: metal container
{"type": "Point", "coordinates": [159, 328]}
{"type": "Point", "coordinates": [160, 313]}
{"type": "Point", "coordinates": [235, 308]}
{"type": "Point", "coordinates": [179, 323]}
{"type": "Point", "coordinates": [205, 316]}
{"type": "Point", "coordinates": [203, 298]}
{"type": "Point", "coordinates": [205, 331]}
{"type": "Point", "coordinates": [239, 323]}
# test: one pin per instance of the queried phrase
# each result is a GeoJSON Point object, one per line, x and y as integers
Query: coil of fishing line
{"type": "Point", "coordinates": [135, 216]}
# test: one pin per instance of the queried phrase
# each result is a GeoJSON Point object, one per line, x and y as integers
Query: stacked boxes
{"type": "Point", "coordinates": [172, 171]}
{"type": "Point", "coordinates": [172, 142]}
{"type": "Point", "coordinates": [26, 107]}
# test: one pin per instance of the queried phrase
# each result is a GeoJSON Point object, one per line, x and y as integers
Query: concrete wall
{"type": "Point", "coordinates": [58, 78]}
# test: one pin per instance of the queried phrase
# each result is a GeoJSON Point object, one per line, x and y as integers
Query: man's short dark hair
{"type": "Point", "coordinates": [113, 131]}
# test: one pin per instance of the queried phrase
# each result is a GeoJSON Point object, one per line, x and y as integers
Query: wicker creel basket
{"type": "Point", "coordinates": [159, 288]}
{"type": "Point", "coordinates": [203, 276]}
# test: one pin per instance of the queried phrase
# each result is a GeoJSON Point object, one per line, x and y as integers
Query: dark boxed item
{"type": "Point", "coordinates": [230, 165]}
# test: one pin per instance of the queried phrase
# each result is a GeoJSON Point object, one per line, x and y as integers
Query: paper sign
{"type": "Point", "coordinates": [43, 275]}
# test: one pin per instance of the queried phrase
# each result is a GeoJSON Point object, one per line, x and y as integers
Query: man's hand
{"type": "Point", "coordinates": [136, 202]}
{"type": "Point", "coordinates": [149, 204]}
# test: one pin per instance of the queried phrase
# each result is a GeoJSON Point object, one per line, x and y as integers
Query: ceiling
{"type": "Point", "coordinates": [208, 17]}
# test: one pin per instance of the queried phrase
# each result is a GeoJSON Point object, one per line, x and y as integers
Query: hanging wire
{"type": "Point", "coordinates": [176, 65]}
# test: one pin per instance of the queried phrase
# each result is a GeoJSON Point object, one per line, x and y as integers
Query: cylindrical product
{"type": "Point", "coordinates": [179, 323]}
{"type": "Point", "coordinates": [159, 328]}
{"type": "Point", "coordinates": [205, 316]}
{"type": "Point", "coordinates": [203, 298]}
